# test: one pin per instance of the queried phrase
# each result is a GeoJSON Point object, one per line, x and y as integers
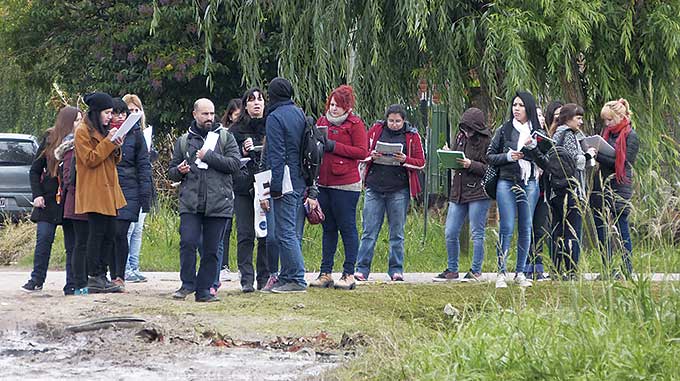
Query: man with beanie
{"type": "Point", "coordinates": [205, 198]}
{"type": "Point", "coordinates": [285, 125]}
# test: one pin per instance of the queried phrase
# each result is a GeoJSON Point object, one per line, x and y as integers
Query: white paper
{"type": "Point", "coordinates": [127, 125]}
{"type": "Point", "coordinates": [260, 220]}
{"type": "Point", "coordinates": [599, 143]}
{"type": "Point", "coordinates": [388, 150]}
{"type": "Point", "coordinates": [263, 181]}
{"type": "Point", "coordinates": [148, 135]}
{"type": "Point", "coordinates": [208, 145]}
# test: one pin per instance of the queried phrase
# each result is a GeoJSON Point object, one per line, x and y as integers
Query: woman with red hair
{"type": "Point", "coordinates": [345, 143]}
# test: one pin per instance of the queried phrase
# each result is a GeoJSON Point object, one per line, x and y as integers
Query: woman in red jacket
{"type": "Point", "coordinates": [391, 180]}
{"type": "Point", "coordinates": [340, 184]}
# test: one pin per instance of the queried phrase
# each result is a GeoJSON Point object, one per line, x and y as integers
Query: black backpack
{"type": "Point", "coordinates": [561, 166]}
{"type": "Point", "coordinates": [311, 152]}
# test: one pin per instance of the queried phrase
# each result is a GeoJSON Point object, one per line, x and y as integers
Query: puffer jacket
{"type": "Point", "coordinates": [341, 166]}
{"type": "Point", "coordinates": [134, 175]}
{"type": "Point", "coordinates": [466, 184]}
{"type": "Point", "coordinates": [216, 182]}
{"type": "Point", "coordinates": [43, 184]}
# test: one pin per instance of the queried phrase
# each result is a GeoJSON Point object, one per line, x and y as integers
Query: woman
{"type": "Point", "coordinates": [566, 203]}
{"type": "Point", "coordinates": [66, 154]}
{"type": "Point", "coordinates": [467, 197]}
{"type": "Point", "coordinates": [345, 143]}
{"type": "Point", "coordinates": [134, 233]}
{"type": "Point", "coordinates": [249, 132]}
{"type": "Point", "coordinates": [390, 182]}
{"type": "Point", "coordinates": [231, 115]}
{"type": "Point", "coordinates": [48, 209]}
{"type": "Point", "coordinates": [514, 153]}
{"type": "Point", "coordinates": [540, 233]}
{"type": "Point", "coordinates": [612, 188]}
{"type": "Point", "coordinates": [98, 192]}
{"type": "Point", "coordinates": [134, 177]}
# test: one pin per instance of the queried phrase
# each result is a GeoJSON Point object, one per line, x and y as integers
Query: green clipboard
{"type": "Point", "coordinates": [449, 159]}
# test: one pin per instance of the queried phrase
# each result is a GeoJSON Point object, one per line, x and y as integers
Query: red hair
{"type": "Point", "coordinates": [344, 97]}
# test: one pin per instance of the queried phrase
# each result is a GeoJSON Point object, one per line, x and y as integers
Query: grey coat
{"type": "Point", "coordinates": [208, 189]}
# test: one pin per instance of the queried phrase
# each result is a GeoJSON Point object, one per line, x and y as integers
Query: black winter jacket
{"type": "Point", "coordinates": [504, 140]}
{"type": "Point", "coordinates": [607, 167]}
{"type": "Point", "coordinates": [134, 175]}
{"type": "Point", "coordinates": [42, 184]}
{"type": "Point", "coordinates": [215, 181]}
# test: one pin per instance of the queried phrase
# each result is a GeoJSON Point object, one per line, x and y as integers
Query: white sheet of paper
{"type": "Point", "coordinates": [287, 184]}
{"type": "Point", "coordinates": [388, 150]}
{"type": "Point", "coordinates": [127, 125]}
{"type": "Point", "coordinates": [209, 145]}
{"type": "Point", "coordinates": [263, 183]}
{"type": "Point", "coordinates": [599, 143]}
{"type": "Point", "coordinates": [148, 135]}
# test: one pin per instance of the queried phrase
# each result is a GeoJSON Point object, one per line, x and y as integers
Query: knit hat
{"type": "Point", "coordinates": [98, 101]}
{"type": "Point", "coordinates": [280, 90]}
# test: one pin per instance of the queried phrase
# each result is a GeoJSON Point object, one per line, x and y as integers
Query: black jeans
{"type": "Point", "coordinates": [540, 235]}
{"type": "Point", "coordinates": [122, 250]}
{"type": "Point", "coordinates": [79, 257]}
{"type": "Point", "coordinates": [245, 235]}
{"type": "Point", "coordinates": [196, 230]}
{"type": "Point", "coordinates": [566, 231]}
{"type": "Point", "coordinates": [100, 243]}
{"type": "Point", "coordinates": [43, 250]}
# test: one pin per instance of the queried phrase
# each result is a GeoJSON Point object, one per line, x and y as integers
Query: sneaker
{"type": "Point", "coordinates": [500, 281]}
{"type": "Point", "coordinates": [207, 299]}
{"type": "Point", "coordinates": [472, 277]}
{"type": "Point", "coordinates": [131, 277]}
{"type": "Point", "coordinates": [81, 291]}
{"type": "Point", "coordinates": [182, 293]}
{"type": "Point", "coordinates": [31, 286]}
{"type": "Point", "coordinates": [397, 277]}
{"type": "Point", "coordinates": [324, 280]}
{"type": "Point", "coordinates": [271, 283]}
{"type": "Point", "coordinates": [346, 282]}
{"type": "Point", "coordinates": [141, 277]}
{"type": "Point", "coordinates": [69, 291]}
{"type": "Point", "coordinates": [290, 287]}
{"type": "Point", "coordinates": [360, 277]}
{"type": "Point", "coordinates": [522, 281]}
{"type": "Point", "coordinates": [247, 289]}
{"type": "Point", "coordinates": [447, 276]}
{"type": "Point", "coordinates": [226, 275]}
{"type": "Point", "coordinates": [101, 285]}
{"type": "Point", "coordinates": [541, 277]}
{"type": "Point", "coordinates": [213, 291]}
{"type": "Point", "coordinates": [120, 283]}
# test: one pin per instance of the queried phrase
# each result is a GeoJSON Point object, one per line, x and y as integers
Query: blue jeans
{"type": "Point", "coordinates": [477, 212]}
{"type": "Point", "coordinates": [340, 210]}
{"type": "Point", "coordinates": [43, 250]}
{"type": "Point", "coordinates": [134, 236]}
{"type": "Point", "coordinates": [287, 227]}
{"type": "Point", "coordinates": [222, 252]}
{"type": "Point", "coordinates": [515, 201]}
{"type": "Point", "coordinates": [376, 205]}
{"type": "Point", "coordinates": [604, 216]}
{"type": "Point", "coordinates": [196, 230]}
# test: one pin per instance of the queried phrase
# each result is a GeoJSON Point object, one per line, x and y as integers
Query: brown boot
{"type": "Point", "coordinates": [325, 280]}
{"type": "Point", "coordinates": [346, 282]}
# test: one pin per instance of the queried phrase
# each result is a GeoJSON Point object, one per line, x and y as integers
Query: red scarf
{"type": "Point", "coordinates": [113, 124]}
{"type": "Point", "coordinates": [623, 129]}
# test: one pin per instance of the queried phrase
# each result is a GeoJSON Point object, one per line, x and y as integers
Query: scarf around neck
{"type": "Point", "coordinates": [623, 129]}
{"type": "Point", "coordinates": [336, 121]}
{"type": "Point", "coordinates": [524, 130]}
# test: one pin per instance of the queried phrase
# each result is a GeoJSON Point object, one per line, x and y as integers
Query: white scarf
{"type": "Point", "coordinates": [524, 134]}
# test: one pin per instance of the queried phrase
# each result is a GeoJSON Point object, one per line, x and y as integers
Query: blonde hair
{"type": "Point", "coordinates": [134, 99]}
{"type": "Point", "coordinates": [616, 110]}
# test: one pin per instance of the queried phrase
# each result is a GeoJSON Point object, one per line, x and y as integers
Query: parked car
{"type": "Point", "coordinates": [17, 152]}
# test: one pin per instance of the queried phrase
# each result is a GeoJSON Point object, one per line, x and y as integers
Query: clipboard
{"type": "Point", "coordinates": [127, 125]}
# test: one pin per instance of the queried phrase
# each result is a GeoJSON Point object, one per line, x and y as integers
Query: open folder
{"type": "Point", "coordinates": [127, 125]}
{"type": "Point", "coordinates": [449, 159]}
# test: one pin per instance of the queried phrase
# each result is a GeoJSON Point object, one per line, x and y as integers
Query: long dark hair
{"type": "Point", "coordinates": [233, 105]}
{"type": "Point", "coordinates": [54, 135]}
{"type": "Point", "coordinates": [529, 106]}
{"type": "Point", "coordinates": [94, 122]}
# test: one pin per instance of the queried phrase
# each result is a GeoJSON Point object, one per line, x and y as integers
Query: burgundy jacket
{"type": "Point", "coordinates": [341, 167]}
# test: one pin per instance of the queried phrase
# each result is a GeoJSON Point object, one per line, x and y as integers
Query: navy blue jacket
{"type": "Point", "coordinates": [134, 175]}
{"type": "Point", "coordinates": [285, 125]}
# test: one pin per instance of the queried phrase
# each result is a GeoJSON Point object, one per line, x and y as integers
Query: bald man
{"type": "Point", "coordinates": [205, 198]}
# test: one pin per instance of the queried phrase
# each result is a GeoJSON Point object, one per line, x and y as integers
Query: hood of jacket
{"type": "Point", "coordinates": [473, 120]}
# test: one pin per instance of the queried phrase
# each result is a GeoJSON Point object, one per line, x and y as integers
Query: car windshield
{"type": "Point", "coordinates": [16, 152]}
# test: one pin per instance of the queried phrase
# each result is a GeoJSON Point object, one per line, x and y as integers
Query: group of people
{"type": "Point", "coordinates": [528, 189]}
{"type": "Point", "coordinates": [99, 188]}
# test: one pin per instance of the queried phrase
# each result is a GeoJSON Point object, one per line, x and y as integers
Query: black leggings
{"type": "Point", "coordinates": [79, 256]}
{"type": "Point", "coordinates": [122, 249]}
{"type": "Point", "coordinates": [100, 243]}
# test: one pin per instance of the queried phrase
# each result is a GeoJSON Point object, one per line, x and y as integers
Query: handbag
{"type": "Point", "coordinates": [315, 215]}
{"type": "Point", "coordinates": [490, 180]}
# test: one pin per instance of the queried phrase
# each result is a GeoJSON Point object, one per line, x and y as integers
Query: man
{"type": "Point", "coordinates": [205, 201]}
{"type": "Point", "coordinates": [285, 125]}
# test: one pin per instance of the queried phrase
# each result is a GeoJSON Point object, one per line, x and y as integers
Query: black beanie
{"type": "Point", "coordinates": [280, 90]}
{"type": "Point", "coordinates": [98, 101]}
